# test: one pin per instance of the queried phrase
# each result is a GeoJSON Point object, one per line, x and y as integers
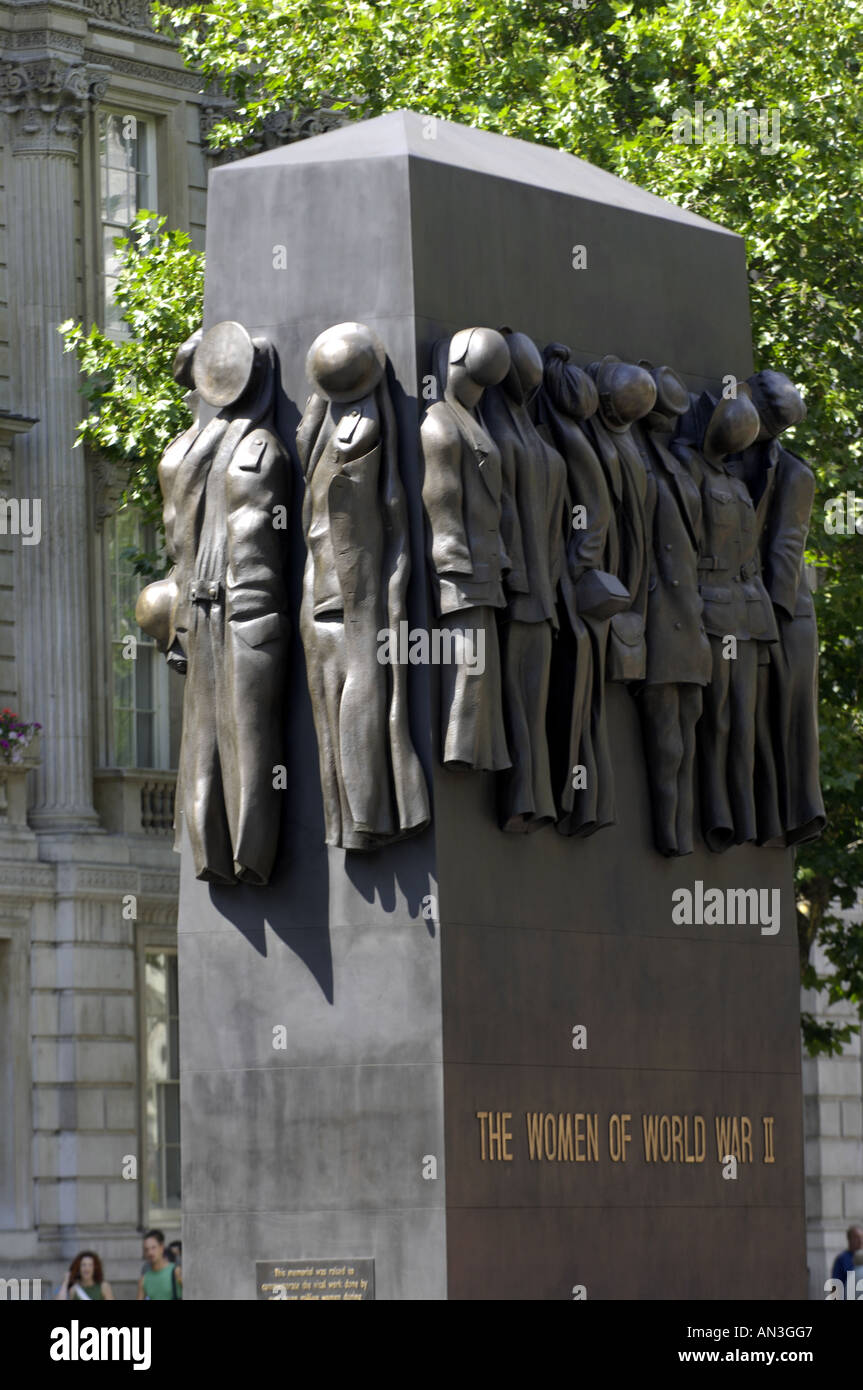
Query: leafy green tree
{"type": "Point", "coordinates": [135, 408]}
{"type": "Point", "coordinates": [604, 79]}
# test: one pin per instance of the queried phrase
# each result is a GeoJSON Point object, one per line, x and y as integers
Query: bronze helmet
{"type": "Point", "coordinates": [626, 392]}
{"type": "Point", "coordinates": [777, 401]}
{"type": "Point", "coordinates": [346, 362]}
{"type": "Point", "coordinates": [672, 397]}
{"type": "Point", "coordinates": [732, 427]}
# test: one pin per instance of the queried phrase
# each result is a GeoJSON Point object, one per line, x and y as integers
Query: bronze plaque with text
{"type": "Point", "coordinates": [312, 1280]}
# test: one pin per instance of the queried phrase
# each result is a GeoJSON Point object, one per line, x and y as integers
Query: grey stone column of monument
{"type": "Point", "coordinates": [584, 525]}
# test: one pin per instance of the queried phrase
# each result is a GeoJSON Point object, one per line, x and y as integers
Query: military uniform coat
{"type": "Point", "coordinates": [793, 687]}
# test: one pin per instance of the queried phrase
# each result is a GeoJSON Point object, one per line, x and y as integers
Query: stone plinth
{"type": "Point", "coordinates": [439, 981]}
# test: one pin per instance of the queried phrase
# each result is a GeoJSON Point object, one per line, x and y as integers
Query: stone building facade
{"type": "Point", "coordinates": [99, 118]}
{"type": "Point", "coordinates": [833, 1131]}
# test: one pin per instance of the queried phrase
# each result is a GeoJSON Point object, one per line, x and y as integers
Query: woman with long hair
{"type": "Point", "coordinates": [85, 1280]}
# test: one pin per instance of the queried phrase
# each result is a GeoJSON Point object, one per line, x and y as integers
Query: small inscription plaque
{"type": "Point", "coordinates": [336, 1281]}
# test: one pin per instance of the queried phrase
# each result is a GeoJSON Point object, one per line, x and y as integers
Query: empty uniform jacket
{"type": "Point", "coordinates": [626, 545]}
{"type": "Point", "coordinates": [464, 501]}
{"type": "Point", "coordinates": [678, 651]}
{"type": "Point", "coordinates": [257, 481]}
{"type": "Point", "coordinates": [732, 589]}
{"type": "Point", "coordinates": [183, 473]}
{"type": "Point", "coordinates": [534, 481]}
{"type": "Point", "coordinates": [357, 569]}
{"type": "Point", "coordinates": [587, 487]}
{"type": "Point", "coordinates": [785, 536]}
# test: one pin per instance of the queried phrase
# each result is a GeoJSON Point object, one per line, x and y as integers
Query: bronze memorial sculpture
{"type": "Point", "coordinates": [585, 525]}
{"type": "Point", "coordinates": [354, 587]}
{"type": "Point", "coordinates": [556, 593]}
{"type": "Point", "coordinates": [469, 514]}
{"type": "Point", "coordinates": [228, 620]}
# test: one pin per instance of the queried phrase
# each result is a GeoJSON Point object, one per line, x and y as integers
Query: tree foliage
{"type": "Point", "coordinates": [134, 406]}
{"type": "Point", "coordinates": [603, 80]}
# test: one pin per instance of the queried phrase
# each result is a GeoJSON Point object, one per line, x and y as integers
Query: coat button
{"type": "Point", "coordinates": [678, 626]}
{"type": "Point", "coordinates": [675, 583]}
{"type": "Point", "coordinates": [667, 547]}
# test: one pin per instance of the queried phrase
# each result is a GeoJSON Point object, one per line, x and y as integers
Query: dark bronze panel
{"type": "Point", "coordinates": [630, 1253]}
{"type": "Point", "coordinates": [733, 1002]}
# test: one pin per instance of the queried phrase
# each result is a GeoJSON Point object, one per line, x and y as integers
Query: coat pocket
{"type": "Point", "coordinates": [256, 631]}
{"type": "Point", "coordinates": [718, 612]}
{"type": "Point", "coordinates": [626, 649]}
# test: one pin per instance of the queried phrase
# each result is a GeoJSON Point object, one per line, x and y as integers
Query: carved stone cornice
{"type": "Point", "coordinates": [118, 15]}
{"type": "Point", "coordinates": [132, 14]}
{"type": "Point", "coordinates": [46, 99]}
{"type": "Point", "coordinates": [23, 39]}
{"type": "Point", "coordinates": [279, 128]}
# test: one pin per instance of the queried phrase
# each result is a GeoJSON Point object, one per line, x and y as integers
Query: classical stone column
{"type": "Point", "coordinates": [45, 101]}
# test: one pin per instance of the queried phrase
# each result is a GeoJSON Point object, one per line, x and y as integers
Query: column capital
{"type": "Point", "coordinates": [46, 99]}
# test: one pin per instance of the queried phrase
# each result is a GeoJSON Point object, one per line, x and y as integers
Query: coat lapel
{"type": "Point", "coordinates": [477, 442]}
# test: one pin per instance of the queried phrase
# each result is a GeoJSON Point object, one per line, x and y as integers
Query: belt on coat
{"type": "Point", "coordinates": [716, 562]}
{"type": "Point", "coordinates": [205, 591]}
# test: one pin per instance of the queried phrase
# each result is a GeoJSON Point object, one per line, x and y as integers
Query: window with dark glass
{"type": "Point", "coordinates": [162, 1096]}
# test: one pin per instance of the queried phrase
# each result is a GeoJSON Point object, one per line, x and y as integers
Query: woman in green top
{"type": "Point", "coordinates": [85, 1281]}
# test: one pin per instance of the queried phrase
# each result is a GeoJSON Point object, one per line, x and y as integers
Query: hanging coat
{"type": "Point", "coordinates": [354, 585]}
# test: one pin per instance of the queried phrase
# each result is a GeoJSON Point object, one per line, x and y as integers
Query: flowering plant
{"type": "Point", "coordinates": [15, 736]}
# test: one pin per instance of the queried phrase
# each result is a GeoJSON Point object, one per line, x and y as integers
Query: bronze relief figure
{"type": "Point", "coordinates": [534, 478]}
{"type": "Point", "coordinates": [473, 529]}
{"type": "Point", "coordinates": [738, 614]}
{"type": "Point", "coordinates": [354, 588]}
{"type": "Point", "coordinates": [626, 393]}
{"type": "Point", "coordinates": [227, 622]}
{"type": "Point", "coordinates": [790, 804]}
{"type": "Point", "coordinates": [679, 662]}
{"type": "Point", "coordinates": [156, 603]}
{"type": "Point", "coordinates": [582, 771]}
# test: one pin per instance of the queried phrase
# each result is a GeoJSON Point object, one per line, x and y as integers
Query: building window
{"type": "Point", "coordinates": [162, 1094]}
{"type": "Point", "coordinates": [7, 1132]}
{"type": "Point", "coordinates": [140, 697]}
{"type": "Point", "coordinates": [127, 174]}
